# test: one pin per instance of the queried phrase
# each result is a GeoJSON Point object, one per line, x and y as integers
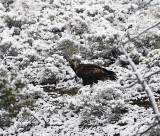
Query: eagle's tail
{"type": "Point", "coordinates": [112, 75]}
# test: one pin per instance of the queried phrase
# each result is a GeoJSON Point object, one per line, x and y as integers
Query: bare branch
{"type": "Point", "coordinates": [152, 74]}
{"type": "Point", "coordinates": [140, 79]}
{"type": "Point", "coordinates": [144, 84]}
{"type": "Point", "coordinates": [130, 40]}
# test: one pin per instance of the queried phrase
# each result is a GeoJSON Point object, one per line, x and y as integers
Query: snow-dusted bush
{"type": "Point", "coordinates": [7, 3]}
{"type": "Point", "coordinates": [66, 48]}
{"type": "Point", "coordinates": [98, 105]}
{"type": "Point", "coordinates": [101, 47]}
{"type": "Point", "coordinates": [152, 59]}
{"type": "Point", "coordinates": [143, 45]}
{"type": "Point", "coordinates": [92, 13]}
{"type": "Point", "coordinates": [48, 77]}
{"type": "Point", "coordinates": [12, 22]}
{"type": "Point", "coordinates": [4, 47]}
{"type": "Point", "coordinates": [52, 71]}
{"type": "Point", "coordinates": [78, 27]}
{"type": "Point", "coordinates": [11, 97]}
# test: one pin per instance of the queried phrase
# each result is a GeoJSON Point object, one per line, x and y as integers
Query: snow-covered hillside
{"type": "Point", "coordinates": [39, 93]}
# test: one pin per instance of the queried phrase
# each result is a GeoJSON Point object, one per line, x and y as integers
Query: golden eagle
{"type": "Point", "coordinates": [91, 73]}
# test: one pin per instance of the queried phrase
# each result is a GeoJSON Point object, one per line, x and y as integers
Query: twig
{"type": "Point", "coordinates": [148, 70]}
{"type": "Point", "coordinates": [152, 74]}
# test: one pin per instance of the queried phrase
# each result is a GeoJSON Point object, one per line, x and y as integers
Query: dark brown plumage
{"type": "Point", "coordinates": [91, 73]}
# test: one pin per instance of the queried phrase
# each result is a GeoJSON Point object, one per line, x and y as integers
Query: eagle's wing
{"type": "Point", "coordinates": [89, 71]}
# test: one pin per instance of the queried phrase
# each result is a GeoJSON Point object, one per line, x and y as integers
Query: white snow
{"type": "Point", "coordinates": [35, 55]}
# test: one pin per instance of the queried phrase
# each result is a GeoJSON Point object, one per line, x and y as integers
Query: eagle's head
{"type": "Point", "coordinates": [73, 65]}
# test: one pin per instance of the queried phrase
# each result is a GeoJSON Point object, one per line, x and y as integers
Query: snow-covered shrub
{"type": "Point", "coordinates": [11, 98]}
{"type": "Point", "coordinates": [101, 47]}
{"type": "Point", "coordinates": [66, 48]}
{"type": "Point", "coordinates": [17, 31]}
{"type": "Point", "coordinates": [12, 22]}
{"type": "Point", "coordinates": [92, 13]}
{"type": "Point", "coordinates": [155, 42]}
{"type": "Point", "coordinates": [96, 45]}
{"type": "Point", "coordinates": [52, 71]}
{"type": "Point", "coordinates": [152, 59]}
{"type": "Point", "coordinates": [7, 3]}
{"type": "Point", "coordinates": [13, 52]}
{"type": "Point", "coordinates": [58, 29]}
{"type": "Point", "coordinates": [144, 44]}
{"type": "Point", "coordinates": [78, 27]}
{"type": "Point", "coordinates": [157, 45]}
{"type": "Point", "coordinates": [4, 47]}
{"type": "Point", "coordinates": [41, 74]}
{"type": "Point", "coordinates": [26, 120]}
{"type": "Point", "coordinates": [80, 10]}
{"type": "Point", "coordinates": [108, 8]}
{"type": "Point", "coordinates": [99, 105]}
{"type": "Point", "coordinates": [29, 41]}
{"type": "Point", "coordinates": [48, 77]}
